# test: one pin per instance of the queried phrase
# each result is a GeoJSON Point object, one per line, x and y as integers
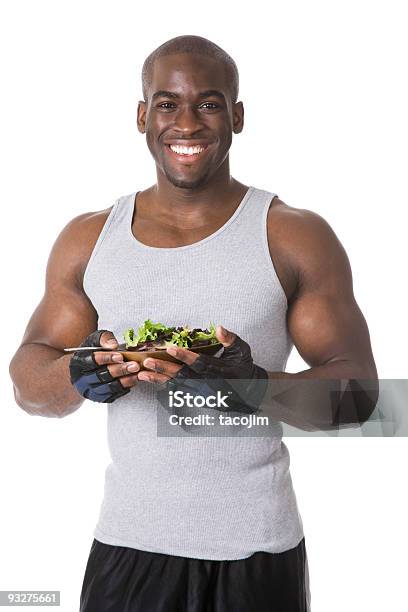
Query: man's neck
{"type": "Point", "coordinates": [190, 208]}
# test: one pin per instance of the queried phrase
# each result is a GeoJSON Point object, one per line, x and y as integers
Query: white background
{"type": "Point", "coordinates": [325, 93]}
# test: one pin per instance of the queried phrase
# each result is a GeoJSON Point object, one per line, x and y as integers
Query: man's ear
{"type": "Point", "coordinates": [238, 117]}
{"type": "Point", "coordinates": [141, 116]}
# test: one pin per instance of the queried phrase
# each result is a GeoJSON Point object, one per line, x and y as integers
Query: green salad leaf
{"type": "Point", "coordinates": [180, 338]}
{"type": "Point", "coordinates": [169, 336]}
{"type": "Point", "coordinates": [210, 336]}
{"type": "Point", "coordinates": [147, 331]}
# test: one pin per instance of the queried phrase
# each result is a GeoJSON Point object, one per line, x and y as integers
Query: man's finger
{"type": "Point", "coordinates": [182, 354]}
{"type": "Point", "coordinates": [152, 377]}
{"type": "Point", "coordinates": [224, 336]}
{"type": "Point", "coordinates": [161, 366]}
{"type": "Point", "coordinates": [108, 340]}
{"type": "Point", "coordinates": [122, 369]}
{"type": "Point", "coordinates": [128, 381]}
{"type": "Point", "coordinates": [101, 358]}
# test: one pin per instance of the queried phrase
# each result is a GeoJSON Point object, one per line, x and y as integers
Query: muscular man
{"type": "Point", "coordinates": [189, 522]}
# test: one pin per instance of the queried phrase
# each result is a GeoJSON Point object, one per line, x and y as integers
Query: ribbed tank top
{"type": "Point", "coordinates": [220, 498]}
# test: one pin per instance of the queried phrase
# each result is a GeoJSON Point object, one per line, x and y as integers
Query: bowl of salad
{"type": "Point", "coordinates": [152, 340]}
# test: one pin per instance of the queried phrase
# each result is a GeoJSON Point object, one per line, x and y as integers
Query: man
{"type": "Point", "coordinates": [189, 522]}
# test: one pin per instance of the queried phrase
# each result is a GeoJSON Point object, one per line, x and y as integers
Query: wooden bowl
{"type": "Point", "coordinates": [140, 356]}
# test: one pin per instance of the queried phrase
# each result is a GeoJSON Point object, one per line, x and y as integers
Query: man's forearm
{"type": "Point", "coordinates": [337, 394]}
{"type": "Point", "coordinates": [42, 386]}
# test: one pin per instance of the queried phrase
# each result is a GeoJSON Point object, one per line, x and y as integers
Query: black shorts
{"type": "Point", "coordinates": [121, 579]}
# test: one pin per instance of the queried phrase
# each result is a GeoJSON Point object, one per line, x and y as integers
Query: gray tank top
{"type": "Point", "coordinates": [220, 498]}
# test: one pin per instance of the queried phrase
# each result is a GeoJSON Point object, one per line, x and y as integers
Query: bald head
{"type": "Point", "coordinates": [194, 45]}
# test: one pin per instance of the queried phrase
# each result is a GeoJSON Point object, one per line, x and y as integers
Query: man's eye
{"type": "Point", "coordinates": [171, 105]}
{"type": "Point", "coordinates": [162, 105]}
{"type": "Point", "coordinates": [213, 104]}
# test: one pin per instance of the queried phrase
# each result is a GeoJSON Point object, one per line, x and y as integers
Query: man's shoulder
{"type": "Point", "coordinates": [289, 218]}
{"type": "Point", "coordinates": [86, 225]}
{"type": "Point", "coordinates": [300, 227]}
{"type": "Point", "coordinates": [302, 243]}
{"type": "Point", "coordinates": [74, 245]}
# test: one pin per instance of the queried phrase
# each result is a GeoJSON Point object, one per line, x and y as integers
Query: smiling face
{"type": "Point", "coordinates": [189, 118]}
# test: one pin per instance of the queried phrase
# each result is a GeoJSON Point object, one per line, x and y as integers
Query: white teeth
{"type": "Point", "coordinates": [180, 150]}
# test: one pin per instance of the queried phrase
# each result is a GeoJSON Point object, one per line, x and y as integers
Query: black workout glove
{"type": "Point", "coordinates": [93, 381]}
{"type": "Point", "coordinates": [233, 374]}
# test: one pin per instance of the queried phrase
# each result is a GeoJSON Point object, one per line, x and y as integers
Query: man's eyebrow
{"type": "Point", "coordinates": [211, 92]}
{"type": "Point", "coordinates": [162, 93]}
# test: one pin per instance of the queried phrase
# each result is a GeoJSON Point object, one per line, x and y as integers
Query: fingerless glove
{"type": "Point", "coordinates": [93, 381]}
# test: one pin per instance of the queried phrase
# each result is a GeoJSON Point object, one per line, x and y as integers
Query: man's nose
{"type": "Point", "coordinates": [188, 119]}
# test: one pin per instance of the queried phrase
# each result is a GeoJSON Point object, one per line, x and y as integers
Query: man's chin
{"type": "Point", "coordinates": [182, 183]}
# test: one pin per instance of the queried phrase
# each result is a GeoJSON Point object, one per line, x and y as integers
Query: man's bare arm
{"type": "Point", "coordinates": [64, 317]}
{"type": "Point", "coordinates": [327, 328]}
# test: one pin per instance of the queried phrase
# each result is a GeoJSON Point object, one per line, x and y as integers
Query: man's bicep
{"type": "Point", "coordinates": [326, 328]}
{"type": "Point", "coordinates": [62, 318]}
{"type": "Point", "coordinates": [324, 319]}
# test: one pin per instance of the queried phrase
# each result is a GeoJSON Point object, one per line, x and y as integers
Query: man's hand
{"type": "Point", "coordinates": [203, 373]}
{"type": "Point", "coordinates": [102, 376]}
